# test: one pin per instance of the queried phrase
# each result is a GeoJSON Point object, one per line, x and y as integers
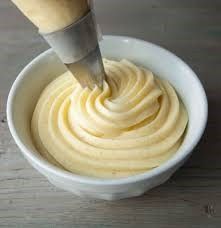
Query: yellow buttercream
{"type": "Point", "coordinates": [135, 124]}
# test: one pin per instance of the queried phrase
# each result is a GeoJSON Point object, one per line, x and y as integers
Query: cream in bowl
{"type": "Point", "coordinates": [135, 124]}
{"type": "Point", "coordinates": [46, 69]}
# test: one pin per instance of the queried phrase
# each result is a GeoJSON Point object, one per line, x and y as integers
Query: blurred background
{"type": "Point", "coordinates": [192, 198]}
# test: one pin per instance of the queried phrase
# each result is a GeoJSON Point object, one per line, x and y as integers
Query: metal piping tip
{"type": "Point", "coordinates": [89, 71]}
{"type": "Point", "coordinates": [77, 47]}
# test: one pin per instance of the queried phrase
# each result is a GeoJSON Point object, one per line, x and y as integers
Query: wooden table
{"type": "Point", "coordinates": [192, 197]}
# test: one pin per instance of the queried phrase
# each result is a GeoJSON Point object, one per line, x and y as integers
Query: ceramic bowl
{"type": "Point", "coordinates": [44, 68]}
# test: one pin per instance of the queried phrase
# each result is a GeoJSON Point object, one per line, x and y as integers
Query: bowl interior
{"type": "Point", "coordinates": [43, 69]}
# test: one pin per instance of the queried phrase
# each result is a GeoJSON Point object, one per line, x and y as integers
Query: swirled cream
{"type": "Point", "coordinates": [135, 124]}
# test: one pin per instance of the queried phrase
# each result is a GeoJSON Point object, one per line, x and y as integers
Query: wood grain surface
{"type": "Point", "coordinates": [192, 197]}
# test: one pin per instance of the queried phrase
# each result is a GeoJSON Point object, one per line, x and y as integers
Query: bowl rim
{"type": "Point", "coordinates": [50, 168]}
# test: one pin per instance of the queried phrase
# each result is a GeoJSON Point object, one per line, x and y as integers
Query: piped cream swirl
{"type": "Point", "coordinates": [135, 124]}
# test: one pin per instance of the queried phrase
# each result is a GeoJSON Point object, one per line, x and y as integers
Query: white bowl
{"type": "Point", "coordinates": [44, 68]}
